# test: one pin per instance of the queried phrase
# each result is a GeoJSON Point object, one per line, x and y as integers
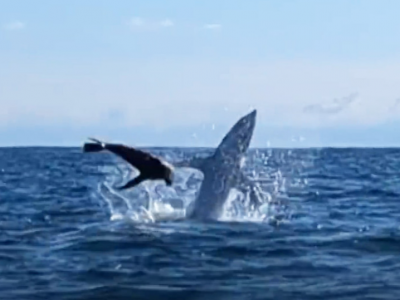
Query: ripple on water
{"type": "Point", "coordinates": [330, 229]}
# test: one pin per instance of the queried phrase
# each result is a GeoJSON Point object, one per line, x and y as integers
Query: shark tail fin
{"type": "Point", "coordinates": [97, 146]}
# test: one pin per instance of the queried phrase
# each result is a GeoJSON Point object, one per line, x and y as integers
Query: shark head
{"type": "Point", "coordinates": [237, 140]}
{"type": "Point", "coordinates": [222, 170]}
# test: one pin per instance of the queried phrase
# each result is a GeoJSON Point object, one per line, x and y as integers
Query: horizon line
{"type": "Point", "coordinates": [213, 147]}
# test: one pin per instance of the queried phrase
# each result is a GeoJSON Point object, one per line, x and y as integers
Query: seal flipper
{"type": "Point", "coordinates": [95, 146]}
{"type": "Point", "coordinates": [135, 181]}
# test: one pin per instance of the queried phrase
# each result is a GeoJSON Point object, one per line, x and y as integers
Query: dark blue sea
{"type": "Point", "coordinates": [329, 229]}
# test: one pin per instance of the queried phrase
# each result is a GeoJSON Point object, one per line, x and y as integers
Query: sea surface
{"type": "Point", "coordinates": [329, 228]}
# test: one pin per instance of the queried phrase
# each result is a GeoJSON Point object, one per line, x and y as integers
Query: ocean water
{"type": "Point", "coordinates": [329, 228]}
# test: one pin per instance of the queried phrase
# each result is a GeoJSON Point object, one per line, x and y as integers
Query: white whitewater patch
{"type": "Point", "coordinates": [235, 211]}
{"type": "Point", "coordinates": [152, 201]}
{"type": "Point", "coordinates": [146, 203]}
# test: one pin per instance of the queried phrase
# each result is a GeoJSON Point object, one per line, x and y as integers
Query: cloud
{"type": "Point", "coordinates": [172, 94]}
{"type": "Point", "coordinates": [16, 25]}
{"type": "Point", "coordinates": [167, 23]}
{"type": "Point", "coordinates": [334, 107]}
{"type": "Point", "coordinates": [137, 23]}
{"type": "Point", "coordinates": [213, 26]}
{"type": "Point", "coordinates": [395, 105]}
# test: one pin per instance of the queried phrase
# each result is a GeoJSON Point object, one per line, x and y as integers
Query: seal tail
{"type": "Point", "coordinates": [97, 146]}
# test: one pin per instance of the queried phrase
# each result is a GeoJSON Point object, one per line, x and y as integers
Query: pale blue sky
{"type": "Point", "coordinates": [320, 73]}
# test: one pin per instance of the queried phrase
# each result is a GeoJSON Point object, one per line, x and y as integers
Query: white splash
{"type": "Point", "coordinates": [152, 202]}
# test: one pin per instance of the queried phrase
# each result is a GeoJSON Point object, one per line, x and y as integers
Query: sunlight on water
{"type": "Point", "coordinates": [152, 201]}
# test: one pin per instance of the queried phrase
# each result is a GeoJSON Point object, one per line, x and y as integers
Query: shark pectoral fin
{"type": "Point", "coordinates": [189, 208]}
{"type": "Point", "coordinates": [244, 184]}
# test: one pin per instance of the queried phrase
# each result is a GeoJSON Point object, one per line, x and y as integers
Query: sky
{"type": "Point", "coordinates": [181, 73]}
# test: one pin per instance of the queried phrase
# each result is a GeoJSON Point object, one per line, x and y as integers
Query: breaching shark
{"type": "Point", "coordinates": [222, 171]}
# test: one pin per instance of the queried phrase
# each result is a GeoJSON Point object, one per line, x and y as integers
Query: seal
{"type": "Point", "coordinates": [149, 166]}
